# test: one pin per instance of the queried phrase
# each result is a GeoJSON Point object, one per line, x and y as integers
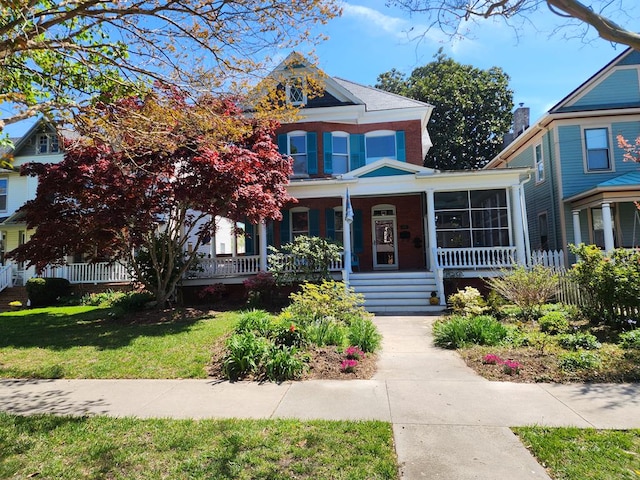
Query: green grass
{"type": "Point", "coordinates": [50, 447]}
{"type": "Point", "coordinates": [585, 454]}
{"type": "Point", "coordinates": [88, 342]}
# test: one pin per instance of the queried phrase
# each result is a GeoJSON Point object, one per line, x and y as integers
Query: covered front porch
{"type": "Point", "coordinates": [606, 216]}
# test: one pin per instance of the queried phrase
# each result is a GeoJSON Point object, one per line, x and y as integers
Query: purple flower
{"type": "Point", "coordinates": [354, 353]}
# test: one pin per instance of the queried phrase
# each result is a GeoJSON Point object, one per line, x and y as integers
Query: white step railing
{"type": "Point", "coordinates": [102, 272]}
{"type": "Point", "coordinates": [476, 257]}
{"type": "Point", "coordinates": [6, 277]}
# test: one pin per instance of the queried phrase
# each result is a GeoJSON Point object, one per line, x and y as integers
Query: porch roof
{"type": "Point", "coordinates": [623, 188]}
{"type": "Point", "coordinates": [391, 177]}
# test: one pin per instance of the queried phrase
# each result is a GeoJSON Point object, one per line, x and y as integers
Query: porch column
{"type": "Point", "coordinates": [234, 241]}
{"type": "Point", "coordinates": [212, 241]}
{"type": "Point", "coordinates": [525, 219]}
{"type": "Point", "coordinates": [607, 225]}
{"type": "Point", "coordinates": [347, 219]}
{"type": "Point", "coordinates": [518, 224]}
{"type": "Point", "coordinates": [577, 233]}
{"type": "Point", "coordinates": [263, 245]}
{"type": "Point", "coordinates": [433, 244]}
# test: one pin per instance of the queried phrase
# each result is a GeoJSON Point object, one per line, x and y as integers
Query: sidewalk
{"type": "Point", "coordinates": [448, 422]}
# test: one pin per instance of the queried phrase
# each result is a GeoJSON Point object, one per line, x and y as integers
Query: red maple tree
{"type": "Point", "coordinates": [149, 175]}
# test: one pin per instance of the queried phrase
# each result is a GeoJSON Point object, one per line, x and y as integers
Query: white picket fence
{"type": "Point", "coordinates": [548, 258]}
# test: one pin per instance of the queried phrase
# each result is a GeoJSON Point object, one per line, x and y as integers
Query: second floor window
{"type": "Point", "coordinates": [296, 95]}
{"type": "Point", "coordinates": [380, 145]}
{"type": "Point", "coordinates": [3, 194]}
{"type": "Point", "coordinates": [539, 163]}
{"type": "Point", "coordinates": [298, 151]}
{"type": "Point", "coordinates": [47, 143]}
{"type": "Point", "coordinates": [597, 145]}
{"type": "Point", "coordinates": [340, 153]}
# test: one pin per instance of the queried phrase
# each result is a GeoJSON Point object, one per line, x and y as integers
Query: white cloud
{"type": "Point", "coordinates": [395, 26]}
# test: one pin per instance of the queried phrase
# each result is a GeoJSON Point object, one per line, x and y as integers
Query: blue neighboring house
{"type": "Point", "coordinates": [582, 190]}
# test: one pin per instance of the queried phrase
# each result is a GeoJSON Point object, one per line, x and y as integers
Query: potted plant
{"type": "Point", "coordinates": [434, 300]}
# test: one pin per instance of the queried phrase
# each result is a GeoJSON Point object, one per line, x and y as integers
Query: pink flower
{"type": "Point", "coordinates": [348, 365]}
{"type": "Point", "coordinates": [510, 367]}
{"type": "Point", "coordinates": [354, 353]}
{"type": "Point", "coordinates": [491, 359]}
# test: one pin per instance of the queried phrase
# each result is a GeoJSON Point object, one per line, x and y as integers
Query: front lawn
{"type": "Point", "coordinates": [60, 448]}
{"type": "Point", "coordinates": [92, 342]}
{"type": "Point", "coordinates": [583, 454]}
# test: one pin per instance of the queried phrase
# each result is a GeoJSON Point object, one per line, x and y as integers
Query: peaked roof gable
{"type": "Point", "coordinates": [338, 91]}
{"type": "Point", "coordinates": [616, 85]}
{"type": "Point", "coordinates": [386, 168]}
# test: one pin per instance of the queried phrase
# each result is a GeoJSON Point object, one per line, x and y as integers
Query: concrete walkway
{"type": "Point", "coordinates": [448, 422]}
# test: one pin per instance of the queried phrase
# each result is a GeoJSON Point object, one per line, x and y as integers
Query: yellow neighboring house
{"type": "Point", "coordinates": [39, 144]}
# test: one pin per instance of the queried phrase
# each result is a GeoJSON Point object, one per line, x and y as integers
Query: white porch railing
{"type": "Point", "coordinates": [476, 257]}
{"type": "Point", "coordinates": [223, 266]}
{"type": "Point", "coordinates": [244, 265]}
{"type": "Point", "coordinates": [6, 277]}
{"type": "Point", "coordinates": [102, 272]}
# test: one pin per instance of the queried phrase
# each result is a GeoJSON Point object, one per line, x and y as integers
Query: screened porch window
{"type": "Point", "coordinates": [476, 218]}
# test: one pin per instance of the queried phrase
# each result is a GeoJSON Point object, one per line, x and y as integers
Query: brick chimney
{"type": "Point", "coordinates": [520, 124]}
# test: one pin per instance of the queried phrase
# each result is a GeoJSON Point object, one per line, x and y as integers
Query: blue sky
{"type": "Point", "coordinates": [370, 38]}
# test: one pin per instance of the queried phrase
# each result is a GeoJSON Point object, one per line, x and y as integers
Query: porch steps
{"type": "Point", "coordinates": [396, 292]}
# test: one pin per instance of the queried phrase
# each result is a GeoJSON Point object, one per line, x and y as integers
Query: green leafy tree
{"type": "Point", "coordinates": [472, 110]}
{"type": "Point", "coordinates": [455, 17]}
{"type": "Point", "coordinates": [55, 54]}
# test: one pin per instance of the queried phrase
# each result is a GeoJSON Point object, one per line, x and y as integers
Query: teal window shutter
{"type": "Point", "coordinates": [356, 150]}
{"type": "Point", "coordinates": [314, 223]}
{"type": "Point", "coordinates": [269, 232]}
{"type": "Point", "coordinates": [312, 153]}
{"type": "Point", "coordinates": [357, 231]}
{"type": "Point", "coordinates": [249, 238]}
{"type": "Point", "coordinates": [401, 154]}
{"type": "Point", "coordinates": [285, 229]}
{"type": "Point", "coordinates": [282, 144]}
{"type": "Point", "coordinates": [329, 221]}
{"type": "Point", "coordinates": [327, 147]}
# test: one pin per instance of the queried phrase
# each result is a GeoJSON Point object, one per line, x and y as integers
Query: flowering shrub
{"type": "Point", "coordinates": [491, 359]}
{"type": "Point", "coordinates": [354, 353]}
{"type": "Point", "coordinates": [213, 292]}
{"type": "Point", "coordinates": [510, 367]}
{"type": "Point", "coordinates": [260, 288]}
{"type": "Point", "coordinates": [348, 365]}
{"type": "Point", "coordinates": [609, 284]}
{"type": "Point", "coordinates": [467, 302]}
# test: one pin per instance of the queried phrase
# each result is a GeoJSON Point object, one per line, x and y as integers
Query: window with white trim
{"type": "Point", "coordinates": [380, 144]}
{"type": "Point", "coordinates": [477, 218]}
{"type": "Point", "coordinates": [296, 94]}
{"type": "Point", "coordinates": [297, 149]}
{"type": "Point", "coordinates": [597, 146]}
{"type": "Point", "coordinates": [299, 222]}
{"type": "Point", "coordinates": [539, 162]}
{"type": "Point", "coordinates": [47, 143]}
{"type": "Point", "coordinates": [340, 152]}
{"type": "Point", "coordinates": [4, 183]}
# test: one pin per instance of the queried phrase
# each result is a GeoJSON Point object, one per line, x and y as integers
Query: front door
{"type": "Point", "coordinates": [385, 245]}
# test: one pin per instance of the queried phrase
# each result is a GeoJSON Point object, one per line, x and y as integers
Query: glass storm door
{"type": "Point", "coordinates": [385, 245]}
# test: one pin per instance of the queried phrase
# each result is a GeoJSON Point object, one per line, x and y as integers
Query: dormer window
{"type": "Point", "coordinates": [296, 95]}
{"type": "Point", "coordinates": [47, 143]}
